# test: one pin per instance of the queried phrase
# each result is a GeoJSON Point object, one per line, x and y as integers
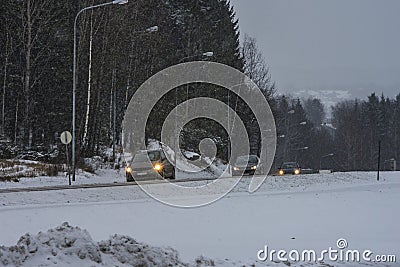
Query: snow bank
{"type": "Point", "coordinates": [71, 246]}
{"type": "Point", "coordinates": [66, 245]}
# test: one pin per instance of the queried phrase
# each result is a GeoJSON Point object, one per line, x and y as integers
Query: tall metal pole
{"type": "Point", "coordinates": [74, 79]}
{"type": "Point", "coordinates": [228, 158]}
{"type": "Point", "coordinates": [73, 101]}
{"type": "Point", "coordinates": [176, 130]}
{"type": "Point", "coordinates": [68, 169]}
{"type": "Point", "coordinates": [379, 159]}
{"type": "Point", "coordinates": [114, 110]}
{"type": "Point", "coordinates": [113, 107]}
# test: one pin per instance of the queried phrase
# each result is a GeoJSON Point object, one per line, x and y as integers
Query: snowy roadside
{"type": "Point", "coordinates": [290, 212]}
{"type": "Point", "coordinates": [272, 185]}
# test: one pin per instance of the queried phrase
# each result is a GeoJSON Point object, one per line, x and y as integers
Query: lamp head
{"type": "Point", "coordinates": [152, 29]}
{"type": "Point", "coordinates": [120, 2]}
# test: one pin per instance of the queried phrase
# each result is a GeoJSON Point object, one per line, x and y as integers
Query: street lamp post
{"type": "Point", "coordinates": [379, 159]}
{"type": "Point", "coordinates": [115, 2]}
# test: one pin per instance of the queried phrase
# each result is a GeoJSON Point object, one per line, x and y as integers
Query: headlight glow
{"type": "Point", "coordinates": [235, 168]}
{"type": "Point", "coordinates": [296, 171]}
{"type": "Point", "coordinates": [281, 172]}
{"type": "Point", "coordinates": [128, 169]}
{"type": "Point", "coordinates": [254, 168]}
{"type": "Point", "coordinates": [158, 167]}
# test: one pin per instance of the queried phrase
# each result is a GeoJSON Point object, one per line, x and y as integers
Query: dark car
{"type": "Point", "coordinates": [140, 168]}
{"type": "Point", "coordinates": [289, 168]}
{"type": "Point", "coordinates": [249, 164]}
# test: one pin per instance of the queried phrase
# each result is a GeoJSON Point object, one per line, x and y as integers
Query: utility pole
{"type": "Point", "coordinates": [114, 2]}
{"type": "Point", "coordinates": [379, 159]}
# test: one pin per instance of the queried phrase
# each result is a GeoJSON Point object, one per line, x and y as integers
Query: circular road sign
{"type": "Point", "coordinates": [66, 137]}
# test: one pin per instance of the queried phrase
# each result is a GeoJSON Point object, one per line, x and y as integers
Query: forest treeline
{"type": "Point", "coordinates": [116, 52]}
{"type": "Point", "coordinates": [118, 49]}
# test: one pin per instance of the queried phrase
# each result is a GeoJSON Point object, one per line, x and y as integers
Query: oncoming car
{"type": "Point", "coordinates": [289, 168]}
{"type": "Point", "coordinates": [249, 164]}
{"type": "Point", "coordinates": [139, 168]}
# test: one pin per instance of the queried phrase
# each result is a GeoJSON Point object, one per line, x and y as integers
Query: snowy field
{"type": "Point", "coordinates": [305, 212]}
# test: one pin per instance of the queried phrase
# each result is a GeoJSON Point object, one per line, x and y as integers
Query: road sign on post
{"type": "Point", "coordinates": [66, 138]}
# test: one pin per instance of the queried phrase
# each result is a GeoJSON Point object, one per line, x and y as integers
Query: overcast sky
{"type": "Point", "coordinates": [329, 48]}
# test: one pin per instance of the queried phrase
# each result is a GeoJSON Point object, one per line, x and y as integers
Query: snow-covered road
{"type": "Point", "coordinates": [291, 212]}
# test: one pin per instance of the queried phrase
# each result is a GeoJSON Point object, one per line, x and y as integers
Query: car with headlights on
{"type": "Point", "coordinates": [289, 168]}
{"type": "Point", "coordinates": [147, 164]}
{"type": "Point", "coordinates": [248, 164]}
